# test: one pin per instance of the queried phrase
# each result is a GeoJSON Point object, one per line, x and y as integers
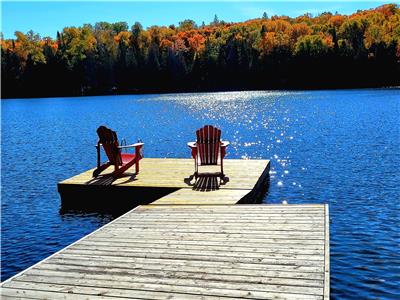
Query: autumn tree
{"type": "Point", "coordinates": [362, 49]}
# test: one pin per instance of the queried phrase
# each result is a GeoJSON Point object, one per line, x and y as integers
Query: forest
{"type": "Point", "coordinates": [270, 52]}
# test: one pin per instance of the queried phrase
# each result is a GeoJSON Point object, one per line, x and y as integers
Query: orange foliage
{"type": "Point", "coordinates": [6, 45]}
{"type": "Point", "coordinates": [387, 10]}
{"type": "Point", "coordinates": [299, 30]}
{"type": "Point", "coordinates": [179, 45]}
{"type": "Point", "coordinates": [54, 46]}
{"type": "Point", "coordinates": [122, 36]}
{"type": "Point", "coordinates": [196, 42]}
{"type": "Point", "coordinates": [336, 20]}
{"type": "Point", "coordinates": [165, 43]}
{"type": "Point", "coordinates": [278, 26]}
{"type": "Point", "coordinates": [269, 42]}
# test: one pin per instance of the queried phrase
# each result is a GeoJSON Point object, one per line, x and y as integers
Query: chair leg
{"type": "Point", "coordinates": [120, 170]}
{"type": "Point", "coordinates": [138, 157]}
{"type": "Point", "coordinates": [196, 168]}
{"type": "Point", "coordinates": [98, 155]}
{"type": "Point", "coordinates": [100, 169]}
{"type": "Point", "coordinates": [222, 169]}
{"type": "Point", "coordinates": [137, 166]}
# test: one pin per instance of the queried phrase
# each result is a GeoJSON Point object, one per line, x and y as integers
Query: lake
{"type": "Point", "coordinates": [339, 147]}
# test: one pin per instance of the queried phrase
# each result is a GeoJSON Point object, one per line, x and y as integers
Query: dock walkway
{"type": "Point", "coordinates": [191, 252]}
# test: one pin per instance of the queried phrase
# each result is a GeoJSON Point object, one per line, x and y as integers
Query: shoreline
{"type": "Point", "coordinates": [205, 92]}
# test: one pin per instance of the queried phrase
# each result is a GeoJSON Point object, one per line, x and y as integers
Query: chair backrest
{"type": "Point", "coordinates": [208, 144]}
{"type": "Point", "coordinates": [109, 141]}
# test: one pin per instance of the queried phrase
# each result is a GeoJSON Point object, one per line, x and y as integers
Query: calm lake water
{"type": "Point", "coordinates": [336, 147]}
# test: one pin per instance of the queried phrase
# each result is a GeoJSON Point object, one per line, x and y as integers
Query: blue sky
{"type": "Point", "coordinates": [46, 17]}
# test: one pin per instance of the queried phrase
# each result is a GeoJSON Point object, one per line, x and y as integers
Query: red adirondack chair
{"type": "Point", "coordinates": [208, 148]}
{"type": "Point", "coordinates": [121, 161]}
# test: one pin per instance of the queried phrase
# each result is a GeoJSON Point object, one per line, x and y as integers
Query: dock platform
{"type": "Point", "coordinates": [190, 252]}
{"type": "Point", "coordinates": [246, 181]}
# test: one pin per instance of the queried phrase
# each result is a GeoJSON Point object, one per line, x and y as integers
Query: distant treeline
{"type": "Point", "coordinates": [326, 51]}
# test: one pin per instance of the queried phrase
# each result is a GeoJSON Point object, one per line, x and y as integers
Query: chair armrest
{"type": "Point", "coordinates": [192, 145]}
{"type": "Point", "coordinates": [131, 146]}
{"type": "Point", "coordinates": [225, 144]}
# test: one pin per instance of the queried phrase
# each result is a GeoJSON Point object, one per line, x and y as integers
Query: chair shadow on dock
{"type": "Point", "coordinates": [108, 179]}
{"type": "Point", "coordinates": [206, 182]}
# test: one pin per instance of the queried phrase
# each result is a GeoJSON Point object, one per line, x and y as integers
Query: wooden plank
{"type": "Point", "coordinates": [97, 263]}
{"type": "Point", "coordinates": [204, 245]}
{"type": "Point", "coordinates": [229, 221]}
{"type": "Point", "coordinates": [140, 261]}
{"type": "Point", "coordinates": [226, 238]}
{"type": "Point", "coordinates": [144, 275]}
{"type": "Point", "coordinates": [155, 292]}
{"type": "Point", "coordinates": [62, 291]}
{"type": "Point", "coordinates": [243, 207]}
{"type": "Point", "coordinates": [232, 209]}
{"type": "Point", "coordinates": [232, 259]}
{"type": "Point", "coordinates": [21, 293]}
{"type": "Point", "coordinates": [261, 254]}
{"type": "Point", "coordinates": [273, 233]}
{"type": "Point", "coordinates": [265, 235]}
{"type": "Point", "coordinates": [223, 226]}
{"type": "Point", "coordinates": [162, 284]}
{"type": "Point", "coordinates": [271, 219]}
{"type": "Point", "coordinates": [245, 244]}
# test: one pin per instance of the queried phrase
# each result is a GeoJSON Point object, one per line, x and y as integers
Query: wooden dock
{"type": "Point", "coordinates": [189, 242]}
{"type": "Point", "coordinates": [246, 181]}
{"type": "Point", "coordinates": [191, 252]}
